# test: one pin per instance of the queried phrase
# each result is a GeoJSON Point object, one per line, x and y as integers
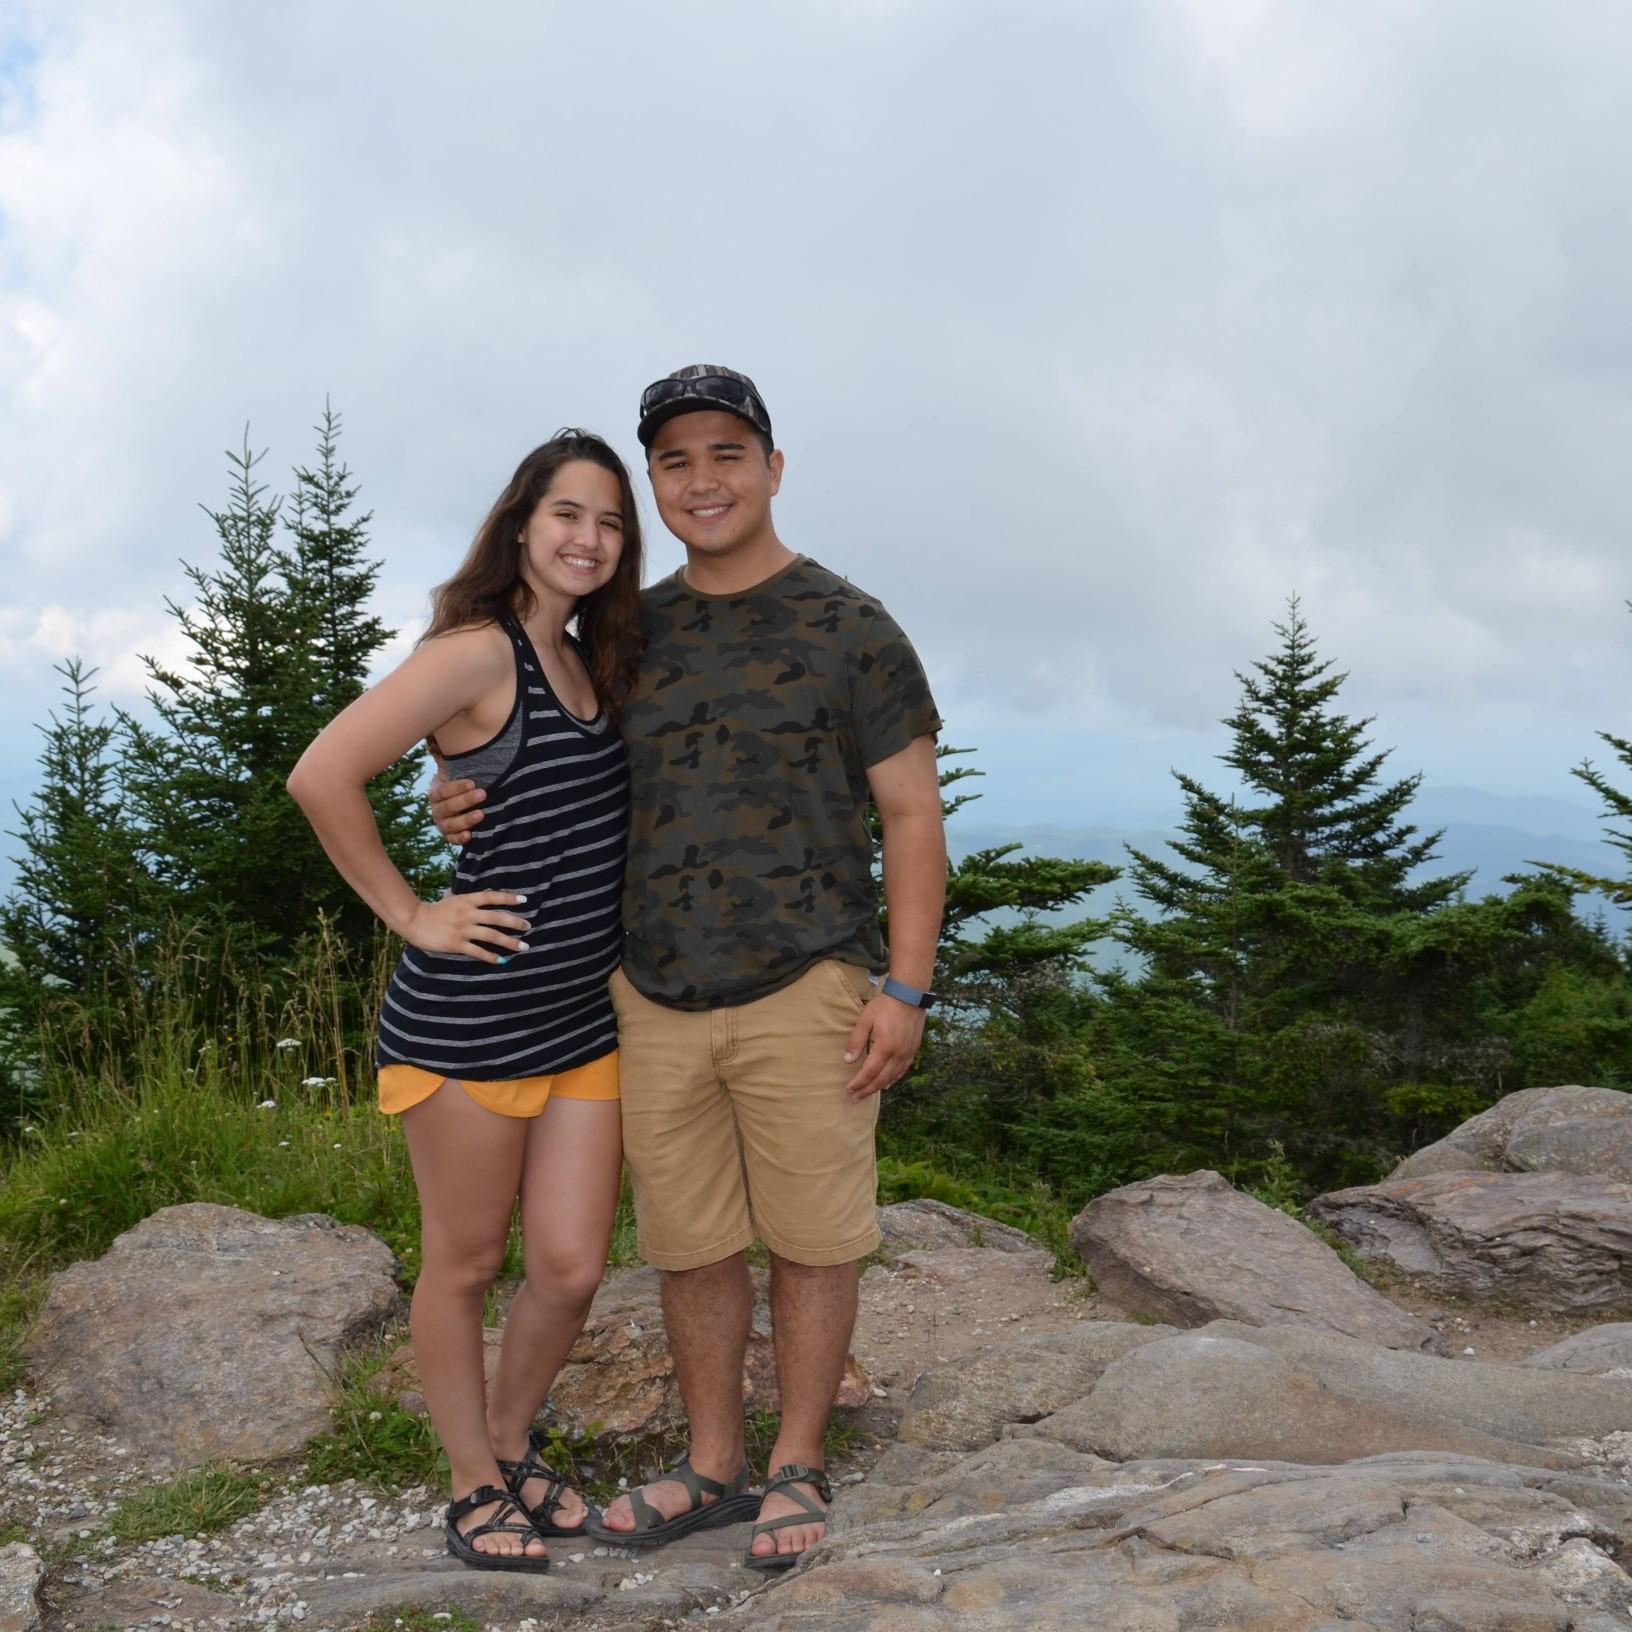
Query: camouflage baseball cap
{"type": "Point", "coordinates": [697, 387]}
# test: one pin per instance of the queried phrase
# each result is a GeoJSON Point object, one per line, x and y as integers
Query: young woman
{"type": "Point", "coordinates": [497, 1042]}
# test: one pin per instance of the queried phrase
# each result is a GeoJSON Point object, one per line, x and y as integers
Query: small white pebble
{"type": "Point", "coordinates": [1467, 1351]}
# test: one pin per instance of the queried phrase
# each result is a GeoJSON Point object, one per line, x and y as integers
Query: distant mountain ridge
{"type": "Point", "coordinates": [1489, 834]}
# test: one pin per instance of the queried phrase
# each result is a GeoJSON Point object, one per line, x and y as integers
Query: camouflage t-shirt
{"type": "Point", "coordinates": [749, 737]}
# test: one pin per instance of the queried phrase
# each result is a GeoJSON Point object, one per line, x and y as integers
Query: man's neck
{"type": "Point", "coordinates": [741, 569]}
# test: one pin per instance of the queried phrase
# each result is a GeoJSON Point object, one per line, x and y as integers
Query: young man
{"type": "Point", "coordinates": [757, 1020]}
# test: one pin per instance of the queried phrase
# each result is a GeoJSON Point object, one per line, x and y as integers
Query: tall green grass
{"type": "Point", "coordinates": [196, 1074]}
{"type": "Point", "coordinates": [221, 1079]}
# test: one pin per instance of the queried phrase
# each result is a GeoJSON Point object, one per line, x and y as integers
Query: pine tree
{"type": "Point", "coordinates": [207, 781]}
{"type": "Point", "coordinates": [331, 580]}
{"type": "Point", "coordinates": [1323, 815]}
{"type": "Point", "coordinates": [80, 883]}
{"type": "Point", "coordinates": [277, 637]}
{"type": "Point", "coordinates": [81, 895]}
{"type": "Point", "coordinates": [1283, 946]}
{"type": "Point", "coordinates": [1002, 1055]}
{"type": "Point", "coordinates": [1617, 807]}
{"type": "Point", "coordinates": [1307, 863]}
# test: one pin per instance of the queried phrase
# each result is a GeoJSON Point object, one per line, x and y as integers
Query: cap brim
{"type": "Point", "coordinates": [665, 411]}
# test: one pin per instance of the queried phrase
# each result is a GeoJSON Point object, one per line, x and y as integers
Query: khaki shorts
{"type": "Point", "coordinates": [736, 1123]}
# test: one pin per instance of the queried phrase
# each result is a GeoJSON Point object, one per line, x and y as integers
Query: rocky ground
{"type": "Point", "coordinates": [1249, 1436]}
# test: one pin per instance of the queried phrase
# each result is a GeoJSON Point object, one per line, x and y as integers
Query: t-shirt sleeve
{"type": "Point", "coordinates": [889, 691]}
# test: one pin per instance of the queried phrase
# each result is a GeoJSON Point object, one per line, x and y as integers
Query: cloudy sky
{"type": "Point", "coordinates": [1091, 331]}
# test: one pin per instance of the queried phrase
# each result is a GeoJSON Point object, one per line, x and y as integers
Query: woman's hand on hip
{"type": "Point", "coordinates": [473, 925]}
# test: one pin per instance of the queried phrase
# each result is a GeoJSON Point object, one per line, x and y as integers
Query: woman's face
{"type": "Point", "coordinates": [573, 540]}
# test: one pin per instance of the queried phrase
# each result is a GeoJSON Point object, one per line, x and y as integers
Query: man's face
{"type": "Point", "coordinates": [713, 482]}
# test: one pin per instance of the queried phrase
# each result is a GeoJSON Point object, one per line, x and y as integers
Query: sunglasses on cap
{"type": "Point", "coordinates": [715, 388]}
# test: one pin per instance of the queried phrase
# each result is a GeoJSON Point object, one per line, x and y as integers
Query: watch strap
{"type": "Point", "coordinates": [913, 996]}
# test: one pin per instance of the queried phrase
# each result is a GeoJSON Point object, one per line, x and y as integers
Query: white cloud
{"type": "Point", "coordinates": [1091, 332]}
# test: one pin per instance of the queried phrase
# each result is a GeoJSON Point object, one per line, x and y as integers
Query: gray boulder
{"type": "Point", "coordinates": [21, 1572]}
{"type": "Point", "coordinates": [1038, 1536]}
{"type": "Point", "coordinates": [207, 1334]}
{"type": "Point", "coordinates": [1187, 1250]}
{"type": "Point", "coordinates": [1569, 1129]}
{"type": "Point", "coordinates": [968, 1402]}
{"type": "Point", "coordinates": [1299, 1396]}
{"type": "Point", "coordinates": [1597, 1350]}
{"type": "Point", "coordinates": [1118, 1391]}
{"type": "Point", "coordinates": [1551, 1240]}
{"type": "Point", "coordinates": [928, 1225]}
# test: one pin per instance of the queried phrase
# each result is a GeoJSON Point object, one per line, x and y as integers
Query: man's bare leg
{"type": "Point", "coordinates": [706, 1313]}
{"type": "Point", "coordinates": [813, 1309]}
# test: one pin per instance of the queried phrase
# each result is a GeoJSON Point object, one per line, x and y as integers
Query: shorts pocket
{"type": "Point", "coordinates": [849, 978]}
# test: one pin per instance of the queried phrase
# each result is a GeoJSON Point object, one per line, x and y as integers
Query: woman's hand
{"type": "Point", "coordinates": [470, 925]}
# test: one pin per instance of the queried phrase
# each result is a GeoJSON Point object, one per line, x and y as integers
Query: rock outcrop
{"type": "Point", "coordinates": [970, 1402]}
{"type": "Point", "coordinates": [21, 1572]}
{"type": "Point", "coordinates": [929, 1225]}
{"type": "Point", "coordinates": [1294, 1395]}
{"type": "Point", "coordinates": [1193, 1249]}
{"type": "Point", "coordinates": [1551, 1240]}
{"type": "Point", "coordinates": [1568, 1129]}
{"type": "Point", "coordinates": [1280, 1475]}
{"type": "Point", "coordinates": [1033, 1534]}
{"type": "Point", "coordinates": [1597, 1351]}
{"type": "Point", "coordinates": [208, 1334]}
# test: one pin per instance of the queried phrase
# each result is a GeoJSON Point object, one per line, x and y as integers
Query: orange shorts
{"type": "Point", "coordinates": [404, 1086]}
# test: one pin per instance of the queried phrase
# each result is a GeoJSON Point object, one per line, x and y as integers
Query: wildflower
{"type": "Point", "coordinates": [73, 1133]}
{"type": "Point", "coordinates": [287, 1042]}
{"type": "Point", "coordinates": [317, 1082]}
{"type": "Point", "coordinates": [283, 1144]}
{"type": "Point", "coordinates": [337, 1144]}
{"type": "Point", "coordinates": [374, 1416]}
{"type": "Point", "coordinates": [28, 1127]}
{"type": "Point", "coordinates": [267, 1105]}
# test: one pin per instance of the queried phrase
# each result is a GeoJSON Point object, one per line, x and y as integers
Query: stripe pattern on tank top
{"type": "Point", "coordinates": [555, 828]}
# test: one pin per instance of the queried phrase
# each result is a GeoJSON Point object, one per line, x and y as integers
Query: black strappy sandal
{"type": "Point", "coordinates": [459, 1541]}
{"type": "Point", "coordinates": [733, 1502]}
{"type": "Point", "coordinates": [784, 1480]}
{"type": "Point", "coordinates": [542, 1513]}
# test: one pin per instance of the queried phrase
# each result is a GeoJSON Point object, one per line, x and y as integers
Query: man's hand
{"type": "Point", "coordinates": [888, 1033]}
{"type": "Point", "coordinates": [453, 807]}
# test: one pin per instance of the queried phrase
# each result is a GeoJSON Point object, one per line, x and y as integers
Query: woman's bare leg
{"type": "Point", "coordinates": [569, 1195]}
{"type": "Point", "coordinates": [467, 1167]}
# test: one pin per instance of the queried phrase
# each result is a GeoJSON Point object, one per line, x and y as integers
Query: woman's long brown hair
{"type": "Point", "coordinates": [489, 581]}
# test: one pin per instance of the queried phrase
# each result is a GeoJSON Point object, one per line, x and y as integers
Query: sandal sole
{"type": "Point", "coordinates": [728, 1510]}
{"type": "Point", "coordinates": [473, 1559]}
{"type": "Point", "coordinates": [771, 1563]}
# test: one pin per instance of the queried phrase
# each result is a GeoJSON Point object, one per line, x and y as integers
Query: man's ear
{"type": "Point", "coordinates": [774, 460]}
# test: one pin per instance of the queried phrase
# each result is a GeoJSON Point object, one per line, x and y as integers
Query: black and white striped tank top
{"type": "Point", "coordinates": [555, 827]}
